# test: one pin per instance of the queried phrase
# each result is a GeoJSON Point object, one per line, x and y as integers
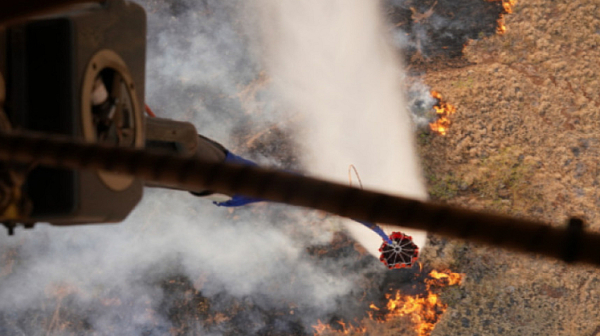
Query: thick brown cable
{"type": "Point", "coordinates": [569, 243]}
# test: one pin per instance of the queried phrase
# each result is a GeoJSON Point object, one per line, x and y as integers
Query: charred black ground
{"type": "Point", "coordinates": [438, 29]}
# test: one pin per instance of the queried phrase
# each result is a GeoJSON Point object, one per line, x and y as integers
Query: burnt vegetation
{"type": "Point", "coordinates": [433, 33]}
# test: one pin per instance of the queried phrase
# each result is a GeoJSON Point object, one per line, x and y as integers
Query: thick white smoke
{"type": "Point", "coordinates": [333, 61]}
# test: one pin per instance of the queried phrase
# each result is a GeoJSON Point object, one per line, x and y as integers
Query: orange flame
{"type": "Point", "coordinates": [450, 278]}
{"type": "Point", "coordinates": [326, 329]}
{"type": "Point", "coordinates": [507, 8]}
{"type": "Point", "coordinates": [424, 310]}
{"type": "Point", "coordinates": [501, 27]}
{"type": "Point", "coordinates": [508, 5]}
{"type": "Point", "coordinates": [443, 111]}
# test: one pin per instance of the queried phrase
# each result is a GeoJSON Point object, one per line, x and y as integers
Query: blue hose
{"type": "Point", "coordinates": [239, 200]}
{"type": "Point", "coordinates": [375, 228]}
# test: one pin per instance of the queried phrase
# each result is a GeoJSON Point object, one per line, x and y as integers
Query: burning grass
{"type": "Point", "coordinates": [507, 8]}
{"type": "Point", "coordinates": [443, 112]}
{"type": "Point", "coordinates": [423, 309]}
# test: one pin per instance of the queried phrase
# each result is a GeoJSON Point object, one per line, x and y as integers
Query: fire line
{"type": "Point", "coordinates": [443, 112]}
{"type": "Point", "coordinates": [424, 310]}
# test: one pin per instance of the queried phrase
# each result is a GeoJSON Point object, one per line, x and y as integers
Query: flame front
{"type": "Point", "coordinates": [424, 310]}
{"type": "Point", "coordinates": [507, 8]}
{"type": "Point", "coordinates": [447, 279]}
{"type": "Point", "coordinates": [443, 110]}
{"type": "Point", "coordinates": [326, 329]}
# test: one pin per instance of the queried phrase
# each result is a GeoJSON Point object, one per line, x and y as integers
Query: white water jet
{"type": "Point", "coordinates": [333, 62]}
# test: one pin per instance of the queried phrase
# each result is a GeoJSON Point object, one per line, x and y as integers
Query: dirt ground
{"type": "Point", "coordinates": [525, 141]}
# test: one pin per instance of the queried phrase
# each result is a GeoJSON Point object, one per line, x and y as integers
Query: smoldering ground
{"type": "Point", "coordinates": [439, 29]}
